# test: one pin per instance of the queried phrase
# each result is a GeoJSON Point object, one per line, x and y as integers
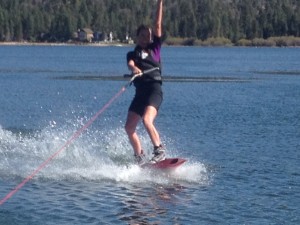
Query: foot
{"type": "Point", "coordinates": [140, 159]}
{"type": "Point", "coordinates": [159, 154]}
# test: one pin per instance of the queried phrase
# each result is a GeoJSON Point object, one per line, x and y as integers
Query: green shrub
{"type": "Point", "coordinates": [260, 42]}
{"type": "Point", "coordinates": [286, 41]}
{"type": "Point", "coordinates": [244, 42]}
{"type": "Point", "coordinates": [174, 41]}
{"type": "Point", "coordinates": [219, 41]}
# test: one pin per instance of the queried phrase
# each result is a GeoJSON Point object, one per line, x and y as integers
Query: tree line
{"type": "Point", "coordinates": [58, 20]}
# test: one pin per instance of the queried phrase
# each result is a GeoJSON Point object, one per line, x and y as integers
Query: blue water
{"type": "Point", "coordinates": [233, 113]}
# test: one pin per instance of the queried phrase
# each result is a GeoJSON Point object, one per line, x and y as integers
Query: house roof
{"type": "Point", "coordinates": [87, 30]}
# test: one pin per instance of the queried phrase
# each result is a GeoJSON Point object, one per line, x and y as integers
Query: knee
{"type": "Point", "coordinates": [129, 128]}
{"type": "Point", "coordinates": [147, 122]}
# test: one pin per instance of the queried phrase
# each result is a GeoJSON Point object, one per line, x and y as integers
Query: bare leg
{"type": "Point", "coordinates": [130, 128]}
{"type": "Point", "coordinates": [148, 120]}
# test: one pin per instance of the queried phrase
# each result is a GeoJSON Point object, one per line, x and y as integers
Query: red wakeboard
{"type": "Point", "coordinates": [168, 163]}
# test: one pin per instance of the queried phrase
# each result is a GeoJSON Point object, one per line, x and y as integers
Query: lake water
{"type": "Point", "coordinates": [233, 113]}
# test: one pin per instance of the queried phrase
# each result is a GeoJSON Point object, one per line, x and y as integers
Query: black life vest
{"type": "Point", "coordinates": [143, 59]}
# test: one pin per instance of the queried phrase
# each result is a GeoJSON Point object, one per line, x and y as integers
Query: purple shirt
{"type": "Point", "coordinates": [155, 47]}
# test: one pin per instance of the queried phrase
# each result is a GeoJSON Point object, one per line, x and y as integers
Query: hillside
{"type": "Point", "coordinates": [185, 21]}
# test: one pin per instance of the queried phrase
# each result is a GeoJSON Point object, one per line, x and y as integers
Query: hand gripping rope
{"type": "Point", "coordinates": [75, 135]}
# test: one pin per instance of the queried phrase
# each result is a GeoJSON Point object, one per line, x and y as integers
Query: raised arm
{"type": "Point", "coordinates": [158, 20]}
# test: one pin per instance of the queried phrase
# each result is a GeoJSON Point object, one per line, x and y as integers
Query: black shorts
{"type": "Point", "coordinates": [150, 95]}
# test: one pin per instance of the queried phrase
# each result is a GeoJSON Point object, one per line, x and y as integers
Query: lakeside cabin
{"type": "Point", "coordinates": [85, 35]}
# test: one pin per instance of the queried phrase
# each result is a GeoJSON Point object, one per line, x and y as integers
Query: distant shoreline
{"type": "Point", "coordinates": [284, 41]}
